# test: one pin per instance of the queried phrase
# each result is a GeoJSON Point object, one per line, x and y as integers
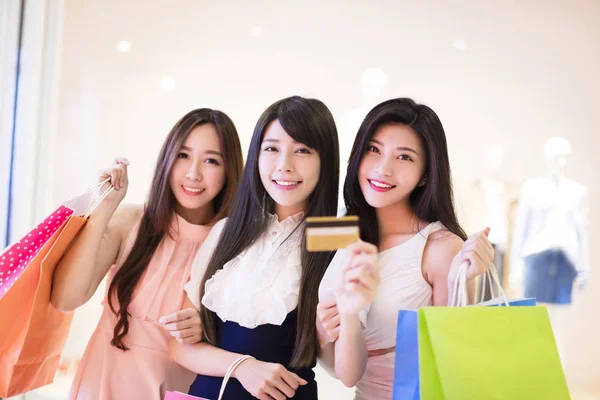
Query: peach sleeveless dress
{"type": "Point", "coordinates": [145, 371]}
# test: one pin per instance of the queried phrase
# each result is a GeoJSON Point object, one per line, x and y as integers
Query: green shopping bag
{"type": "Point", "coordinates": [491, 353]}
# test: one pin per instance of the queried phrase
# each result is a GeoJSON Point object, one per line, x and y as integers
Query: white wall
{"type": "Point", "coordinates": [529, 72]}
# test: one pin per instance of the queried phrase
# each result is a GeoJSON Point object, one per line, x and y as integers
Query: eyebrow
{"type": "Point", "coordinates": [401, 148]}
{"type": "Point", "coordinates": [278, 141]}
{"type": "Point", "coordinates": [213, 152]}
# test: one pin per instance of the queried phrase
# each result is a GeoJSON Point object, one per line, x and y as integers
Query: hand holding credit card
{"type": "Point", "coordinates": [331, 233]}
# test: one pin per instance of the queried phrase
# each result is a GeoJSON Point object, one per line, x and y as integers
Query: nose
{"type": "Point", "coordinates": [194, 173]}
{"type": "Point", "coordinates": [384, 167]}
{"type": "Point", "coordinates": [284, 162]}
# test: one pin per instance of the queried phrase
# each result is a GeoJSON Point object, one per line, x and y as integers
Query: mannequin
{"type": "Point", "coordinates": [550, 250]}
{"type": "Point", "coordinates": [551, 229]}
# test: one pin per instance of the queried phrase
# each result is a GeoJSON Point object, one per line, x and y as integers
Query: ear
{"type": "Point", "coordinates": [423, 181]}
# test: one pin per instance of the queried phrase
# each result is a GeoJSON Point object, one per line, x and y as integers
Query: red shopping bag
{"type": "Point", "coordinates": [15, 258]}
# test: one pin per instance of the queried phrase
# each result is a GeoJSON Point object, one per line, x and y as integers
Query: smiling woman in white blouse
{"type": "Point", "coordinates": [253, 280]}
{"type": "Point", "coordinates": [399, 185]}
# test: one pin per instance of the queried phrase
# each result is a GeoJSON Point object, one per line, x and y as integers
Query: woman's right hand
{"type": "Point", "coordinates": [267, 381]}
{"type": "Point", "coordinates": [117, 175]}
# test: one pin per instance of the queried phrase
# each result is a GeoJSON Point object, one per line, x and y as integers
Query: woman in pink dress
{"type": "Point", "coordinates": [147, 253]}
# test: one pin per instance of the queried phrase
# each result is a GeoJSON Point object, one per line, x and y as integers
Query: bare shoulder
{"type": "Point", "coordinates": [443, 237]}
{"type": "Point", "coordinates": [442, 243]}
{"type": "Point", "coordinates": [440, 249]}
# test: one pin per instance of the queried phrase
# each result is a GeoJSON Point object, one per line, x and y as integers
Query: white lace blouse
{"type": "Point", "coordinates": [259, 286]}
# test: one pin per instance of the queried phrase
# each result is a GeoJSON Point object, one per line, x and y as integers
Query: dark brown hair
{"type": "Point", "coordinates": [431, 202]}
{"type": "Point", "coordinates": [159, 208]}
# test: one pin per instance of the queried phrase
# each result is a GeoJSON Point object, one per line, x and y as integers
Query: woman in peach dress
{"type": "Point", "coordinates": [147, 251]}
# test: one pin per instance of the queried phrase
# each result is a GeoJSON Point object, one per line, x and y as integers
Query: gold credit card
{"type": "Point", "coordinates": [331, 233]}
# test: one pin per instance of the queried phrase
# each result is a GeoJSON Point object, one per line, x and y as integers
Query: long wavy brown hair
{"type": "Point", "coordinates": [160, 206]}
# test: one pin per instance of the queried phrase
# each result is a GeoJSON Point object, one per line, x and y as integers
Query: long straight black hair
{"type": "Point", "coordinates": [431, 202]}
{"type": "Point", "coordinates": [310, 122]}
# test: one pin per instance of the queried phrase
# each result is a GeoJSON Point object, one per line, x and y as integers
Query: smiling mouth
{"type": "Point", "coordinates": [286, 184]}
{"type": "Point", "coordinates": [192, 191]}
{"type": "Point", "coordinates": [380, 186]}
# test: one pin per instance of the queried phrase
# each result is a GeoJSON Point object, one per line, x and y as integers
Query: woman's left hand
{"type": "Point", "coordinates": [478, 251]}
{"type": "Point", "coordinates": [185, 325]}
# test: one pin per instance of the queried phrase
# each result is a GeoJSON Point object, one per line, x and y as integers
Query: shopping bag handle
{"type": "Point", "coordinates": [494, 281]}
{"type": "Point", "coordinates": [459, 294]}
{"type": "Point", "coordinates": [229, 372]}
{"type": "Point", "coordinates": [487, 278]}
{"type": "Point", "coordinates": [98, 187]}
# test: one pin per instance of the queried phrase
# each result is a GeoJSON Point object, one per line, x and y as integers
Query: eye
{"type": "Point", "coordinates": [270, 149]}
{"type": "Point", "coordinates": [212, 161]}
{"type": "Point", "coordinates": [372, 149]}
{"type": "Point", "coordinates": [182, 155]}
{"type": "Point", "coordinates": [303, 150]}
{"type": "Point", "coordinates": [404, 157]}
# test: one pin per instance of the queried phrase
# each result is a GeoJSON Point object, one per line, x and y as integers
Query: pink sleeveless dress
{"type": "Point", "coordinates": [145, 370]}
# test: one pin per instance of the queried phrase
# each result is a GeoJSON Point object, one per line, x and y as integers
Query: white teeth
{"type": "Point", "coordinates": [286, 183]}
{"type": "Point", "coordinates": [193, 190]}
{"type": "Point", "coordinates": [381, 185]}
